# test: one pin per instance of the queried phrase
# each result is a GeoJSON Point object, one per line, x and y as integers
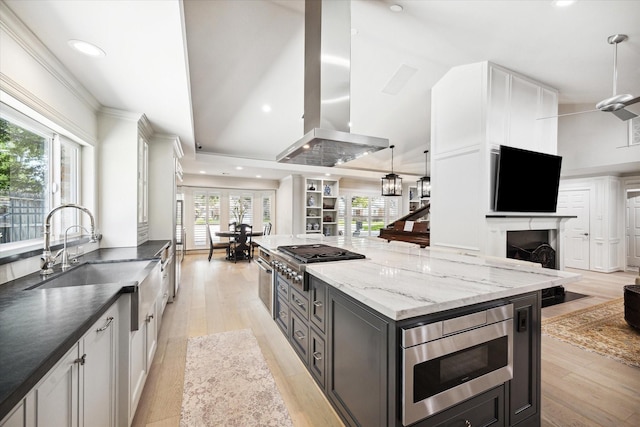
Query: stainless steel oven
{"type": "Point", "coordinates": [449, 361]}
{"type": "Point", "coordinates": [265, 279]}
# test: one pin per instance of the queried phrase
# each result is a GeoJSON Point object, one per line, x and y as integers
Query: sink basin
{"type": "Point", "coordinates": [99, 273]}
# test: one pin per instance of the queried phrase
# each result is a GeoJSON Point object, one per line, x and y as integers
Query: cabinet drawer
{"type": "Point", "coordinates": [318, 302]}
{"type": "Point", "coordinates": [282, 314]}
{"type": "Point", "coordinates": [299, 336]}
{"type": "Point", "coordinates": [317, 358]}
{"type": "Point", "coordinates": [483, 410]}
{"type": "Point", "coordinates": [300, 302]}
{"type": "Point", "coordinates": [282, 287]}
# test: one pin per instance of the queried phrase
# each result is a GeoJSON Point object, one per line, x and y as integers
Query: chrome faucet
{"type": "Point", "coordinates": [65, 252]}
{"type": "Point", "coordinates": [48, 260]}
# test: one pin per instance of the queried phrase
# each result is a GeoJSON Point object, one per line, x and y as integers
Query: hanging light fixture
{"type": "Point", "coordinates": [424, 183]}
{"type": "Point", "coordinates": [391, 183]}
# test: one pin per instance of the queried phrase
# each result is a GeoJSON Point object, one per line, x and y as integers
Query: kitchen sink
{"type": "Point", "coordinates": [100, 273]}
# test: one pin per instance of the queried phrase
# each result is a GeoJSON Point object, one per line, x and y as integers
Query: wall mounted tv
{"type": "Point", "coordinates": [526, 181]}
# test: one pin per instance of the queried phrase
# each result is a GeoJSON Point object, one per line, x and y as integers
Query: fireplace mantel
{"type": "Point", "coordinates": [498, 224]}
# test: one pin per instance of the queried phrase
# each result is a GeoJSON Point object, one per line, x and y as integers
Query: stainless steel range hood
{"type": "Point", "coordinates": [327, 91]}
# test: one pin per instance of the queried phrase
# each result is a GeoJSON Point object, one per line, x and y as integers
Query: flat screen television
{"type": "Point", "coordinates": [526, 181]}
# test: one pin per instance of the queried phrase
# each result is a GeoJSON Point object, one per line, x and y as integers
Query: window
{"type": "Point", "coordinates": [266, 210]}
{"type": "Point", "coordinates": [38, 171]}
{"type": "Point", "coordinates": [207, 213]}
{"type": "Point", "coordinates": [241, 209]}
{"type": "Point", "coordinates": [371, 213]}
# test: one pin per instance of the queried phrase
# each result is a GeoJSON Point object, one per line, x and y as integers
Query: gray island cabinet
{"type": "Point", "coordinates": [354, 354]}
{"type": "Point", "coordinates": [419, 337]}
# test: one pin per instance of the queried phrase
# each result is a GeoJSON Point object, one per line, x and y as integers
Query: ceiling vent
{"type": "Point", "coordinates": [327, 140]}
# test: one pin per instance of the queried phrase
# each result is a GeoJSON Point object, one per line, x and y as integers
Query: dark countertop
{"type": "Point", "coordinates": [39, 326]}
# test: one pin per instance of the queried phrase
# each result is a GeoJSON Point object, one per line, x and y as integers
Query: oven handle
{"type": "Point", "coordinates": [263, 265]}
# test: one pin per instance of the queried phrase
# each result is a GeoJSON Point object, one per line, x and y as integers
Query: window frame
{"type": "Point", "coordinates": [52, 191]}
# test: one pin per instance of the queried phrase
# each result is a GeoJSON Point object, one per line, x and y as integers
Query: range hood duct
{"type": "Point", "coordinates": [327, 91]}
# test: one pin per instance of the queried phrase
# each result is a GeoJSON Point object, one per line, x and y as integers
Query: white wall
{"type": "Point", "coordinates": [594, 143]}
{"type": "Point", "coordinates": [32, 76]}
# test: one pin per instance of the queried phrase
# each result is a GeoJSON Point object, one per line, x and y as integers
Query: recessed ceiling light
{"type": "Point", "coordinates": [327, 174]}
{"type": "Point", "coordinates": [396, 8]}
{"type": "Point", "coordinates": [203, 172]}
{"type": "Point", "coordinates": [266, 108]}
{"type": "Point", "coordinates": [306, 146]}
{"type": "Point", "coordinates": [258, 176]}
{"type": "Point", "coordinates": [563, 3]}
{"type": "Point", "coordinates": [87, 48]}
{"type": "Point", "coordinates": [239, 168]}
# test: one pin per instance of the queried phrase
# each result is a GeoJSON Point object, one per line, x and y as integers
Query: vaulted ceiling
{"type": "Point", "coordinates": [204, 69]}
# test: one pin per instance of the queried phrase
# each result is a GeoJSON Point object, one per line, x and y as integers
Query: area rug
{"type": "Point", "coordinates": [600, 329]}
{"type": "Point", "coordinates": [227, 383]}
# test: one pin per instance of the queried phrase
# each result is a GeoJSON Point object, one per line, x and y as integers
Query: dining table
{"type": "Point", "coordinates": [232, 234]}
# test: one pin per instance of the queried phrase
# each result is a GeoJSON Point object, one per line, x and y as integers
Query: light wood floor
{"type": "Point", "coordinates": [578, 388]}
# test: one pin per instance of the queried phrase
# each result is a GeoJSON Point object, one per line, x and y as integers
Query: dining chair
{"type": "Point", "coordinates": [240, 247]}
{"type": "Point", "coordinates": [216, 244]}
{"type": "Point", "coordinates": [266, 230]}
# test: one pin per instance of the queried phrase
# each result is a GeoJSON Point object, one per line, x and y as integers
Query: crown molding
{"type": "Point", "coordinates": [29, 42]}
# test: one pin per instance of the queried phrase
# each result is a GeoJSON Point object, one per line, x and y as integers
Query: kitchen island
{"type": "Point", "coordinates": [354, 322]}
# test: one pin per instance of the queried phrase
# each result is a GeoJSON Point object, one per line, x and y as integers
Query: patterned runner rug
{"type": "Point", "coordinates": [227, 383]}
{"type": "Point", "coordinates": [601, 329]}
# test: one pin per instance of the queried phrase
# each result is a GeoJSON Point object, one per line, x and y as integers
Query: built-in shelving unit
{"type": "Point", "coordinates": [321, 211]}
{"type": "Point", "coordinates": [415, 201]}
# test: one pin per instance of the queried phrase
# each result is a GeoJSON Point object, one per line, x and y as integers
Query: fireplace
{"type": "Point", "coordinates": [522, 236]}
{"type": "Point", "coordinates": [532, 245]}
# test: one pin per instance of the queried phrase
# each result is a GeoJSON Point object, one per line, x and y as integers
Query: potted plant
{"type": "Point", "coordinates": [239, 210]}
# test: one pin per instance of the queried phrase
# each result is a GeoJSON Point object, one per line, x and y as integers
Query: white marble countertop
{"type": "Point", "coordinates": [402, 280]}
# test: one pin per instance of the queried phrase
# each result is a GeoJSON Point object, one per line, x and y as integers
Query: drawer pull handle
{"type": "Point", "coordinates": [283, 315]}
{"type": "Point", "coordinates": [149, 317]}
{"type": "Point", "coordinates": [317, 355]}
{"type": "Point", "coordinates": [282, 288]}
{"type": "Point", "coordinates": [317, 303]}
{"type": "Point", "coordinates": [299, 334]}
{"type": "Point", "coordinates": [81, 360]}
{"type": "Point", "coordinates": [106, 325]}
{"type": "Point", "coordinates": [298, 302]}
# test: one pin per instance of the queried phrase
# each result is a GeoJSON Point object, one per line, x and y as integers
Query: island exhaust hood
{"type": "Point", "coordinates": [327, 91]}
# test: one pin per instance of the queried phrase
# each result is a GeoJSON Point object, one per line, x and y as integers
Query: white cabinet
{"type": "Point", "coordinates": [143, 342]}
{"type": "Point", "coordinates": [57, 395]}
{"type": "Point", "coordinates": [80, 390]}
{"type": "Point", "coordinates": [321, 206]}
{"type": "Point", "coordinates": [123, 168]}
{"type": "Point", "coordinates": [98, 373]}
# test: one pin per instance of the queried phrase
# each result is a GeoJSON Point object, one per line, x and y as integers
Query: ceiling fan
{"type": "Point", "coordinates": [617, 103]}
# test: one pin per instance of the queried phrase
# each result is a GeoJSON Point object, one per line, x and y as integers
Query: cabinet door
{"type": "Point", "coordinates": [57, 395]}
{"type": "Point", "coordinates": [524, 388]}
{"type": "Point", "coordinates": [282, 313]}
{"type": "Point", "coordinates": [98, 374]}
{"type": "Point", "coordinates": [317, 357]}
{"type": "Point", "coordinates": [151, 335]}
{"type": "Point", "coordinates": [299, 337]}
{"type": "Point", "coordinates": [15, 418]}
{"type": "Point", "coordinates": [318, 300]}
{"type": "Point", "coordinates": [484, 410]}
{"type": "Point", "coordinates": [137, 366]}
{"type": "Point", "coordinates": [357, 381]}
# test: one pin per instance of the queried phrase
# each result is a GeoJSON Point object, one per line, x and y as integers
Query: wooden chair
{"type": "Point", "coordinates": [216, 244]}
{"type": "Point", "coordinates": [265, 232]}
{"type": "Point", "coordinates": [240, 247]}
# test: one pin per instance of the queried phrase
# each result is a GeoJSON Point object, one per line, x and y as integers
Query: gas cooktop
{"type": "Point", "coordinates": [318, 253]}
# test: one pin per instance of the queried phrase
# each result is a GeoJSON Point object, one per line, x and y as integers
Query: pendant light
{"type": "Point", "coordinates": [391, 183]}
{"type": "Point", "coordinates": [424, 183]}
